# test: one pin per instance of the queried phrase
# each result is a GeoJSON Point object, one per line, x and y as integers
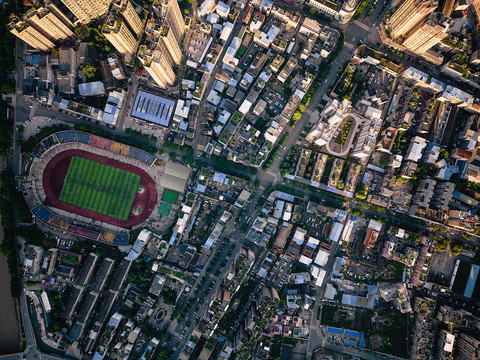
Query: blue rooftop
{"type": "Point", "coordinates": [153, 108]}
{"type": "Point", "coordinates": [354, 334]}
{"type": "Point", "coordinates": [333, 330]}
{"type": "Point", "coordinates": [350, 342]}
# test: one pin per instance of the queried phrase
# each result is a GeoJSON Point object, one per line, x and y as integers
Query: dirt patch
{"type": "Point", "coordinates": [376, 342]}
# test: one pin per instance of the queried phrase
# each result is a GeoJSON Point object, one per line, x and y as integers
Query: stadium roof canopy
{"type": "Point", "coordinates": [175, 177]}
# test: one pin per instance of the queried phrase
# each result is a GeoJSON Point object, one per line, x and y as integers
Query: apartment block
{"type": "Point", "coordinates": [410, 14]}
{"type": "Point", "coordinates": [118, 33]}
{"type": "Point", "coordinates": [56, 27]}
{"type": "Point", "coordinates": [87, 10]}
{"type": "Point", "coordinates": [129, 14]}
{"type": "Point", "coordinates": [425, 38]}
{"type": "Point", "coordinates": [169, 14]}
{"type": "Point", "coordinates": [30, 35]}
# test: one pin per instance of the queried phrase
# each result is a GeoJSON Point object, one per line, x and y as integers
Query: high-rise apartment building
{"type": "Point", "coordinates": [169, 13]}
{"type": "Point", "coordinates": [30, 35]}
{"type": "Point", "coordinates": [130, 16]}
{"type": "Point", "coordinates": [162, 55]}
{"type": "Point", "coordinates": [476, 8]}
{"type": "Point", "coordinates": [171, 45]}
{"type": "Point", "coordinates": [117, 32]}
{"type": "Point", "coordinates": [164, 37]}
{"type": "Point", "coordinates": [123, 26]}
{"type": "Point", "coordinates": [159, 67]}
{"type": "Point", "coordinates": [409, 15]}
{"type": "Point", "coordinates": [42, 26]}
{"type": "Point", "coordinates": [424, 38]}
{"type": "Point", "coordinates": [49, 23]}
{"type": "Point", "coordinates": [448, 8]}
{"type": "Point", "coordinates": [87, 10]}
{"type": "Point", "coordinates": [467, 347]}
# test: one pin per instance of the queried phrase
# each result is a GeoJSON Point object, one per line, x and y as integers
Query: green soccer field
{"type": "Point", "coordinates": [101, 188]}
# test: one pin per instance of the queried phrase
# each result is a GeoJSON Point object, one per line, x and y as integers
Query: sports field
{"type": "Point", "coordinates": [170, 196]}
{"type": "Point", "coordinates": [101, 188]}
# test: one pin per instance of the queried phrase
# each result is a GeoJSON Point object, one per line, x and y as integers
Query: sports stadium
{"type": "Point", "coordinates": [90, 186]}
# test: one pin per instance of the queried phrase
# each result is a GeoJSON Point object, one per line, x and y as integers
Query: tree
{"type": "Point", "coordinates": [89, 70]}
{"type": "Point", "coordinates": [7, 87]}
{"type": "Point", "coordinates": [456, 249]}
{"type": "Point", "coordinates": [361, 193]}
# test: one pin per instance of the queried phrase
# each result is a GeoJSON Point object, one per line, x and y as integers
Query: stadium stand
{"type": "Point", "coordinates": [121, 239]}
{"type": "Point", "coordinates": [93, 140]}
{"type": "Point", "coordinates": [59, 222]}
{"type": "Point", "coordinates": [89, 234]}
{"type": "Point", "coordinates": [100, 142]}
{"type": "Point", "coordinates": [119, 148]}
{"type": "Point", "coordinates": [42, 213]}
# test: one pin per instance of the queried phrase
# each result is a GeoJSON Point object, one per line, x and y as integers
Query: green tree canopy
{"type": "Point", "coordinates": [89, 70]}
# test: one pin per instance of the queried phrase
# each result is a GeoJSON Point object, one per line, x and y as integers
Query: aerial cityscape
{"type": "Point", "coordinates": [240, 179]}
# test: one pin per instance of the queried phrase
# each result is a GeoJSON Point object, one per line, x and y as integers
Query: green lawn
{"type": "Point", "coordinates": [164, 209]}
{"type": "Point", "coordinates": [100, 188]}
{"type": "Point", "coordinates": [170, 196]}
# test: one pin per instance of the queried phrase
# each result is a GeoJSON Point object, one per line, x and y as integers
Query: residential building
{"type": "Point", "coordinates": [157, 60]}
{"type": "Point", "coordinates": [373, 231]}
{"type": "Point", "coordinates": [476, 7]}
{"type": "Point", "coordinates": [130, 15]}
{"type": "Point", "coordinates": [367, 138]}
{"type": "Point", "coordinates": [442, 196]}
{"type": "Point", "coordinates": [164, 37]}
{"type": "Point", "coordinates": [168, 38]}
{"type": "Point", "coordinates": [342, 11]}
{"type": "Point", "coordinates": [425, 38]}
{"type": "Point", "coordinates": [422, 329]}
{"type": "Point", "coordinates": [445, 341]}
{"type": "Point", "coordinates": [467, 347]}
{"type": "Point", "coordinates": [424, 194]}
{"type": "Point", "coordinates": [87, 10]}
{"type": "Point", "coordinates": [118, 33]}
{"type": "Point", "coordinates": [448, 8]}
{"type": "Point", "coordinates": [30, 35]}
{"type": "Point", "coordinates": [287, 69]}
{"type": "Point", "coordinates": [415, 149]}
{"type": "Point", "coordinates": [409, 14]}
{"type": "Point", "coordinates": [55, 25]}
{"type": "Point", "coordinates": [32, 261]}
{"type": "Point", "coordinates": [169, 14]}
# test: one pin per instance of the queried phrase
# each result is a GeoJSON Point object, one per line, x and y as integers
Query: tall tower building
{"type": "Point", "coordinates": [117, 32]}
{"type": "Point", "coordinates": [164, 52]}
{"type": "Point", "coordinates": [87, 10]}
{"type": "Point", "coordinates": [169, 12]}
{"type": "Point", "coordinates": [130, 16]}
{"type": "Point", "coordinates": [30, 35]}
{"type": "Point", "coordinates": [159, 67]}
{"type": "Point", "coordinates": [476, 7]}
{"type": "Point", "coordinates": [424, 38]}
{"type": "Point", "coordinates": [171, 45]}
{"type": "Point", "coordinates": [467, 347]}
{"type": "Point", "coordinates": [59, 14]}
{"type": "Point", "coordinates": [448, 8]}
{"type": "Point", "coordinates": [47, 22]}
{"type": "Point", "coordinates": [409, 15]}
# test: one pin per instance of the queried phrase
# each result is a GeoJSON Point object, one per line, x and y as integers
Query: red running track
{"type": "Point", "coordinates": [55, 173]}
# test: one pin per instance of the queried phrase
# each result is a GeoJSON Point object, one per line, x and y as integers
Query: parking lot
{"type": "Point", "coordinates": [281, 272]}
{"type": "Point", "coordinates": [275, 101]}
